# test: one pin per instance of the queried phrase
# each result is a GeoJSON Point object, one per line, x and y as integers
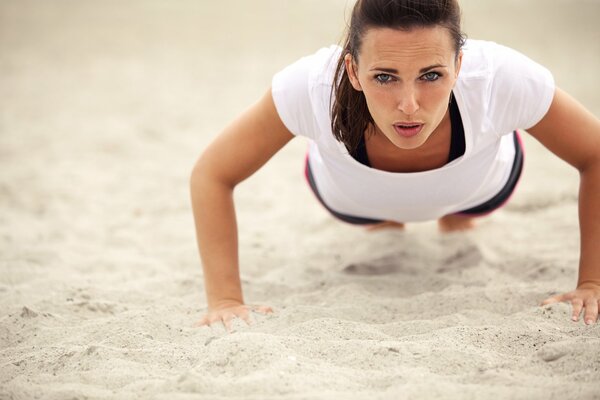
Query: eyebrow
{"type": "Point", "coordinates": [422, 70]}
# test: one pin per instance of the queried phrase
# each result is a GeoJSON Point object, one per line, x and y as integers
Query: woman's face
{"type": "Point", "coordinates": [407, 78]}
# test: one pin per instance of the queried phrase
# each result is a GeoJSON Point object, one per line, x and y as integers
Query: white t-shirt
{"type": "Point", "coordinates": [498, 91]}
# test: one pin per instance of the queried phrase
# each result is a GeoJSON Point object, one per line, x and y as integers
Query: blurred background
{"type": "Point", "coordinates": [105, 106]}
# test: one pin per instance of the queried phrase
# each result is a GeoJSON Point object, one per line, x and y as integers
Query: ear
{"type": "Point", "coordinates": [352, 72]}
{"type": "Point", "coordinates": [458, 64]}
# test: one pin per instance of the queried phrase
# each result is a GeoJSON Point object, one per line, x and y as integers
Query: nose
{"type": "Point", "coordinates": [408, 103]}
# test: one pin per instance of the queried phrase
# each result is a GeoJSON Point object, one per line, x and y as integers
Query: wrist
{"type": "Point", "coordinates": [589, 282]}
{"type": "Point", "coordinates": [219, 304]}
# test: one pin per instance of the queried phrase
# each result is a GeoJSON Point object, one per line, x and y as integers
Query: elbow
{"type": "Point", "coordinates": [590, 168]}
{"type": "Point", "coordinates": [197, 171]}
{"type": "Point", "coordinates": [200, 175]}
{"type": "Point", "coordinates": [589, 163]}
{"type": "Point", "coordinates": [201, 185]}
{"type": "Point", "coordinates": [205, 175]}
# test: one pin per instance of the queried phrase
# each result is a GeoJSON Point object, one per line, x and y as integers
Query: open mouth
{"type": "Point", "coordinates": [408, 130]}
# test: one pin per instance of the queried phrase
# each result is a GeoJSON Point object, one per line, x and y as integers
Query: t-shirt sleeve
{"type": "Point", "coordinates": [521, 91]}
{"type": "Point", "coordinates": [291, 90]}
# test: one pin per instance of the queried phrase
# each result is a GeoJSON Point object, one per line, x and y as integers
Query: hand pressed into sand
{"type": "Point", "coordinates": [227, 312]}
{"type": "Point", "coordinates": [587, 295]}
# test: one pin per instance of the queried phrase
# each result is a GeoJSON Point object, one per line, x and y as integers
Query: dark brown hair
{"type": "Point", "coordinates": [350, 116]}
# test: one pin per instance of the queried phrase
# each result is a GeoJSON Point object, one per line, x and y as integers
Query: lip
{"type": "Point", "coordinates": [408, 129]}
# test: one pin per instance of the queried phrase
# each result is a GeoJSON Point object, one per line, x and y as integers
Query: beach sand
{"type": "Point", "coordinates": [105, 107]}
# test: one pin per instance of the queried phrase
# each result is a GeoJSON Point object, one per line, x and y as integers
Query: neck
{"type": "Point", "coordinates": [384, 155]}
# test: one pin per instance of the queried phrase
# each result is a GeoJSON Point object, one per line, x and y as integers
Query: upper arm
{"type": "Point", "coordinates": [245, 144]}
{"type": "Point", "coordinates": [570, 131]}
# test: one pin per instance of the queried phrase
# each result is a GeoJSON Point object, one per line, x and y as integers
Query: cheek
{"type": "Point", "coordinates": [436, 99]}
{"type": "Point", "coordinates": [378, 98]}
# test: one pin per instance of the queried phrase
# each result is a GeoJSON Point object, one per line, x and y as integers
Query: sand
{"type": "Point", "coordinates": [106, 105]}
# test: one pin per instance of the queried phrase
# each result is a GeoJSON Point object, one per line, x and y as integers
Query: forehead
{"type": "Point", "coordinates": [414, 47]}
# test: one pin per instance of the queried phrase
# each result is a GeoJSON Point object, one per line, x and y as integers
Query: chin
{"type": "Point", "coordinates": [410, 143]}
{"type": "Point", "coordinates": [410, 146]}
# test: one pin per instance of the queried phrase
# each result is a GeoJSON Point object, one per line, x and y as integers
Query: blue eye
{"type": "Point", "coordinates": [431, 76]}
{"type": "Point", "coordinates": [383, 78]}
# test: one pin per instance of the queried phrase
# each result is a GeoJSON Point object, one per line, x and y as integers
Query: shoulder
{"type": "Point", "coordinates": [316, 68]}
{"type": "Point", "coordinates": [512, 90]}
{"type": "Point", "coordinates": [485, 59]}
{"type": "Point", "coordinates": [313, 65]}
{"type": "Point", "coordinates": [301, 91]}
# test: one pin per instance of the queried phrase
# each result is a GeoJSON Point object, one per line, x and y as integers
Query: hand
{"type": "Point", "coordinates": [587, 295]}
{"type": "Point", "coordinates": [227, 312]}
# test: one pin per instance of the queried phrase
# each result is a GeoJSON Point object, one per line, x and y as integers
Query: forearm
{"type": "Point", "coordinates": [216, 232]}
{"type": "Point", "coordinates": [589, 220]}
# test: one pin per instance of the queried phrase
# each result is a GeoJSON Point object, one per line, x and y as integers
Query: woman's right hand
{"type": "Point", "coordinates": [240, 150]}
{"type": "Point", "coordinates": [227, 312]}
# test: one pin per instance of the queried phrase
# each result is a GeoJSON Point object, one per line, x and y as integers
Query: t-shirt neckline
{"type": "Point", "coordinates": [457, 135]}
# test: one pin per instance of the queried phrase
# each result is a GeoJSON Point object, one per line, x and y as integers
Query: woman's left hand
{"type": "Point", "coordinates": [587, 295]}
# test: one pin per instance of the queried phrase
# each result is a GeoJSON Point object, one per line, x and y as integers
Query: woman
{"type": "Point", "coordinates": [408, 122]}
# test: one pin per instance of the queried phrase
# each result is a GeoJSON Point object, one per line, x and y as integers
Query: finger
{"type": "Point", "coordinates": [226, 319]}
{"type": "Point", "coordinates": [262, 309]}
{"type": "Point", "coordinates": [577, 306]}
{"type": "Point", "coordinates": [591, 311]}
{"type": "Point", "coordinates": [246, 317]}
{"type": "Point", "coordinates": [203, 322]}
{"type": "Point", "coordinates": [552, 300]}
